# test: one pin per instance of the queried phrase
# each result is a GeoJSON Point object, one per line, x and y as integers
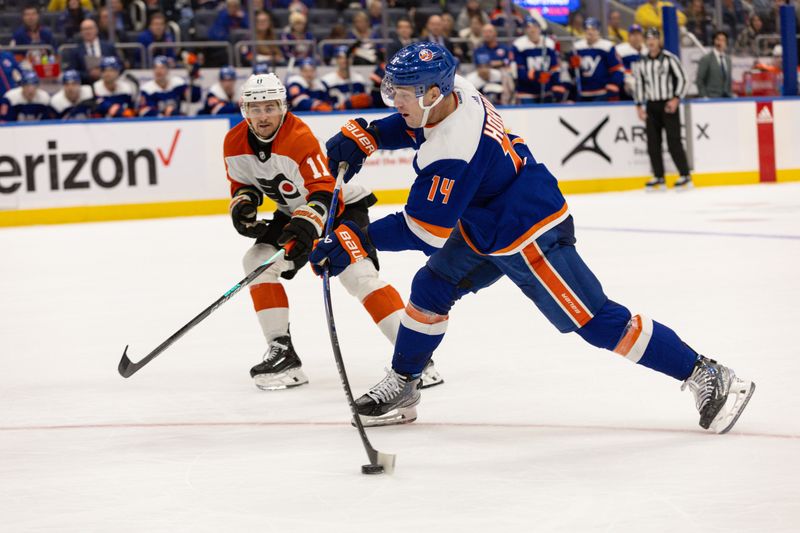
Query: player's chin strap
{"type": "Point", "coordinates": [427, 109]}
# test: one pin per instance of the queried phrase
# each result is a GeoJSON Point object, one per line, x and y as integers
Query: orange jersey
{"type": "Point", "coordinates": [296, 167]}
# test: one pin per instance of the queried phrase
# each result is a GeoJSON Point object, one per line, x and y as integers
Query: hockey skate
{"type": "Point", "coordinates": [392, 401]}
{"type": "Point", "coordinates": [655, 184]}
{"type": "Point", "coordinates": [281, 368]}
{"type": "Point", "coordinates": [720, 395]}
{"type": "Point", "coordinates": [430, 376]}
{"type": "Point", "coordinates": [684, 183]}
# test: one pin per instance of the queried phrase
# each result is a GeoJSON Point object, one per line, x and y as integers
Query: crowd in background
{"type": "Point", "coordinates": [527, 66]}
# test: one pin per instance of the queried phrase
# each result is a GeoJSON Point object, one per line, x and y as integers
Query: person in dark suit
{"type": "Point", "coordinates": [714, 70]}
{"type": "Point", "coordinates": [85, 58]}
{"type": "Point", "coordinates": [434, 29]}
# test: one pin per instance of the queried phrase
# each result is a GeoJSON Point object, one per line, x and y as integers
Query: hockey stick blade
{"type": "Point", "coordinates": [387, 461]}
{"type": "Point", "coordinates": [126, 367]}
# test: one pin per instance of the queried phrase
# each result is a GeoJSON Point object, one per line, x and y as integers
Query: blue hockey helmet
{"type": "Point", "coordinates": [110, 62]}
{"type": "Point", "coordinates": [261, 68]}
{"type": "Point", "coordinates": [633, 28]}
{"type": "Point", "coordinates": [421, 66]}
{"type": "Point", "coordinates": [29, 77]}
{"type": "Point", "coordinates": [591, 22]}
{"type": "Point", "coordinates": [307, 62]}
{"type": "Point", "coordinates": [227, 73]}
{"type": "Point", "coordinates": [161, 60]}
{"type": "Point", "coordinates": [71, 76]}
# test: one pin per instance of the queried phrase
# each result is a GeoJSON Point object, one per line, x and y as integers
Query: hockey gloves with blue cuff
{"type": "Point", "coordinates": [346, 245]}
{"type": "Point", "coordinates": [353, 144]}
{"type": "Point", "coordinates": [244, 208]}
{"type": "Point", "coordinates": [304, 228]}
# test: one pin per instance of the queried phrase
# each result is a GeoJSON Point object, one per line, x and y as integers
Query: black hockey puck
{"type": "Point", "coordinates": [372, 469]}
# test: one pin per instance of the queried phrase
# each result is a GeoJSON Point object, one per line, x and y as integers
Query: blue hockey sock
{"type": "Point", "coordinates": [420, 334]}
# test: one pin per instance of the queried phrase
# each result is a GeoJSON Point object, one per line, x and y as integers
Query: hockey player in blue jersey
{"type": "Point", "coordinates": [26, 103]}
{"type": "Point", "coordinates": [537, 66]}
{"type": "Point", "coordinates": [221, 97]}
{"type": "Point", "coordinates": [344, 88]}
{"type": "Point", "coordinates": [114, 97]}
{"type": "Point", "coordinates": [482, 208]}
{"type": "Point", "coordinates": [10, 72]}
{"type": "Point", "coordinates": [165, 93]}
{"type": "Point", "coordinates": [74, 100]}
{"type": "Point", "coordinates": [601, 73]}
{"type": "Point", "coordinates": [489, 81]}
{"type": "Point", "coordinates": [306, 91]}
{"type": "Point", "coordinates": [630, 53]}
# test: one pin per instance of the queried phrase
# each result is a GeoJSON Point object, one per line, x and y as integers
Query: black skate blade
{"type": "Point", "coordinates": [430, 385]}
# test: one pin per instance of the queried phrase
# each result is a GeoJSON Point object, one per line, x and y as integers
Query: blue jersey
{"type": "Point", "coordinates": [499, 55]}
{"type": "Point", "coordinates": [339, 91]}
{"type": "Point", "coordinates": [472, 173]}
{"type": "Point", "coordinates": [19, 109]}
{"type": "Point", "coordinates": [158, 101]}
{"type": "Point", "coordinates": [68, 110]}
{"type": "Point", "coordinates": [112, 103]}
{"type": "Point", "coordinates": [600, 67]}
{"type": "Point", "coordinates": [10, 72]}
{"type": "Point", "coordinates": [219, 103]}
{"type": "Point", "coordinates": [304, 96]}
{"type": "Point", "coordinates": [533, 59]}
{"type": "Point", "coordinates": [629, 57]}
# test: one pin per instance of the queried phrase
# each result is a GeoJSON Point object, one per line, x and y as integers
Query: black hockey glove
{"type": "Point", "coordinates": [304, 228]}
{"type": "Point", "coordinates": [353, 144]}
{"type": "Point", "coordinates": [244, 208]}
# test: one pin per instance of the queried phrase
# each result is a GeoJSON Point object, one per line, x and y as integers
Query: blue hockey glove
{"type": "Point", "coordinates": [345, 246]}
{"type": "Point", "coordinates": [353, 144]}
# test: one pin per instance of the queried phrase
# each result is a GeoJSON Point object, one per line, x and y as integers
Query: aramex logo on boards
{"type": "Point", "coordinates": [54, 170]}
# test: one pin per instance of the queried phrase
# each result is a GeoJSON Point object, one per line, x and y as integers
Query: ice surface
{"type": "Point", "coordinates": [533, 430]}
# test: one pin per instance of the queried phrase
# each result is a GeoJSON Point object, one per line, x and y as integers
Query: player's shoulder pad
{"type": "Point", "coordinates": [175, 82]}
{"type": "Point", "coordinates": [236, 141]}
{"type": "Point", "coordinates": [296, 79]}
{"type": "Point", "coordinates": [604, 44]}
{"type": "Point", "coordinates": [580, 44]}
{"type": "Point", "coordinates": [217, 91]}
{"type": "Point", "coordinates": [625, 49]}
{"type": "Point", "coordinates": [42, 97]}
{"type": "Point", "coordinates": [14, 96]}
{"type": "Point", "coordinates": [59, 101]}
{"type": "Point", "coordinates": [86, 93]}
{"type": "Point", "coordinates": [295, 139]}
{"type": "Point", "coordinates": [150, 87]}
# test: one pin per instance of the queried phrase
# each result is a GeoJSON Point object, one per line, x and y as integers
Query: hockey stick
{"type": "Point", "coordinates": [378, 462]}
{"type": "Point", "coordinates": [127, 368]}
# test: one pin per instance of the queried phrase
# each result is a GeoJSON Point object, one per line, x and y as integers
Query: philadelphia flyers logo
{"type": "Point", "coordinates": [425, 54]}
{"type": "Point", "coordinates": [279, 189]}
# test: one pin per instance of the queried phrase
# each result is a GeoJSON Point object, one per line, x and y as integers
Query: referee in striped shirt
{"type": "Point", "coordinates": [660, 84]}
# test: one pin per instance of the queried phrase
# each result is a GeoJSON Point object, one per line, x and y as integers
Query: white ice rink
{"type": "Point", "coordinates": [533, 430]}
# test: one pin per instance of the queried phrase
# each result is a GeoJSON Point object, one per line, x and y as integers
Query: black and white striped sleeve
{"type": "Point", "coordinates": [680, 78]}
{"type": "Point", "coordinates": [638, 74]}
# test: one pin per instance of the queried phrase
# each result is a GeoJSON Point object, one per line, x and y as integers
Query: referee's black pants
{"type": "Point", "coordinates": [658, 119]}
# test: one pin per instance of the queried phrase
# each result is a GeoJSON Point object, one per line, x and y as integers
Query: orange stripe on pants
{"type": "Point", "coordinates": [382, 302]}
{"type": "Point", "coordinates": [631, 336]}
{"type": "Point", "coordinates": [268, 296]}
{"type": "Point", "coordinates": [562, 294]}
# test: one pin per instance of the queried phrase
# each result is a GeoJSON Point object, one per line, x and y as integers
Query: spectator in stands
{"type": "Point", "coordinates": [298, 31]}
{"type": "Point", "coordinates": [474, 36]}
{"type": "Point", "coordinates": [698, 21]}
{"type": "Point", "coordinates": [27, 103]}
{"type": "Point", "coordinates": [714, 70]}
{"type": "Point", "coordinates": [74, 101]}
{"type": "Point", "coordinates": [338, 31]}
{"type": "Point", "coordinates": [733, 16]}
{"type": "Point", "coordinates": [616, 33]}
{"type": "Point", "coordinates": [448, 25]}
{"type": "Point", "coordinates": [537, 66]}
{"type": "Point", "coordinates": [488, 80]}
{"type": "Point", "coordinates": [403, 36]}
{"type": "Point", "coordinates": [221, 98]}
{"type": "Point", "coordinates": [232, 17]}
{"type": "Point", "coordinates": [498, 18]}
{"type": "Point", "coordinates": [434, 32]}
{"type": "Point", "coordinates": [364, 52]}
{"type": "Point", "coordinates": [601, 73]}
{"type": "Point", "coordinates": [746, 41]}
{"type": "Point", "coordinates": [31, 31]}
{"type": "Point", "coordinates": [500, 54]}
{"type": "Point", "coordinates": [56, 6]}
{"type": "Point", "coordinates": [305, 91]}
{"type": "Point", "coordinates": [10, 73]}
{"type": "Point", "coordinates": [264, 31]}
{"type": "Point", "coordinates": [158, 32]}
{"type": "Point", "coordinates": [648, 15]}
{"type": "Point", "coordinates": [471, 9]}
{"type": "Point", "coordinates": [85, 58]}
{"type": "Point", "coordinates": [122, 17]}
{"type": "Point", "coordinates": [113, 96]}
{"type": "Point", "coordinates": [375, 12]}
{"type": "Point", "coordinates": [165, 93]}
{"type": "Point", "coordinates": [344, 88]}
{"type": "Point", "coordinates": [575, 24]}
{"type": "Point", "coordinates": [630, 53]}
{"type": "Point", "coordinates": [69, 20]}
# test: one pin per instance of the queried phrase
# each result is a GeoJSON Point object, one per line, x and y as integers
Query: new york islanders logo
{"type": "Point", "coordinates": [425, 54]}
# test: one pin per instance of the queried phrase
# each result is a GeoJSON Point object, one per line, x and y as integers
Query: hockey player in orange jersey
{"type": "Point", "coordinates": [272, 153]}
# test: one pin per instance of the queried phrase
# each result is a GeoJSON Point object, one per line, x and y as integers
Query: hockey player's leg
{"type": "Point", "coordinates": [450, 273]}
{"type": "Point", "coordinates": [281, 367]}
